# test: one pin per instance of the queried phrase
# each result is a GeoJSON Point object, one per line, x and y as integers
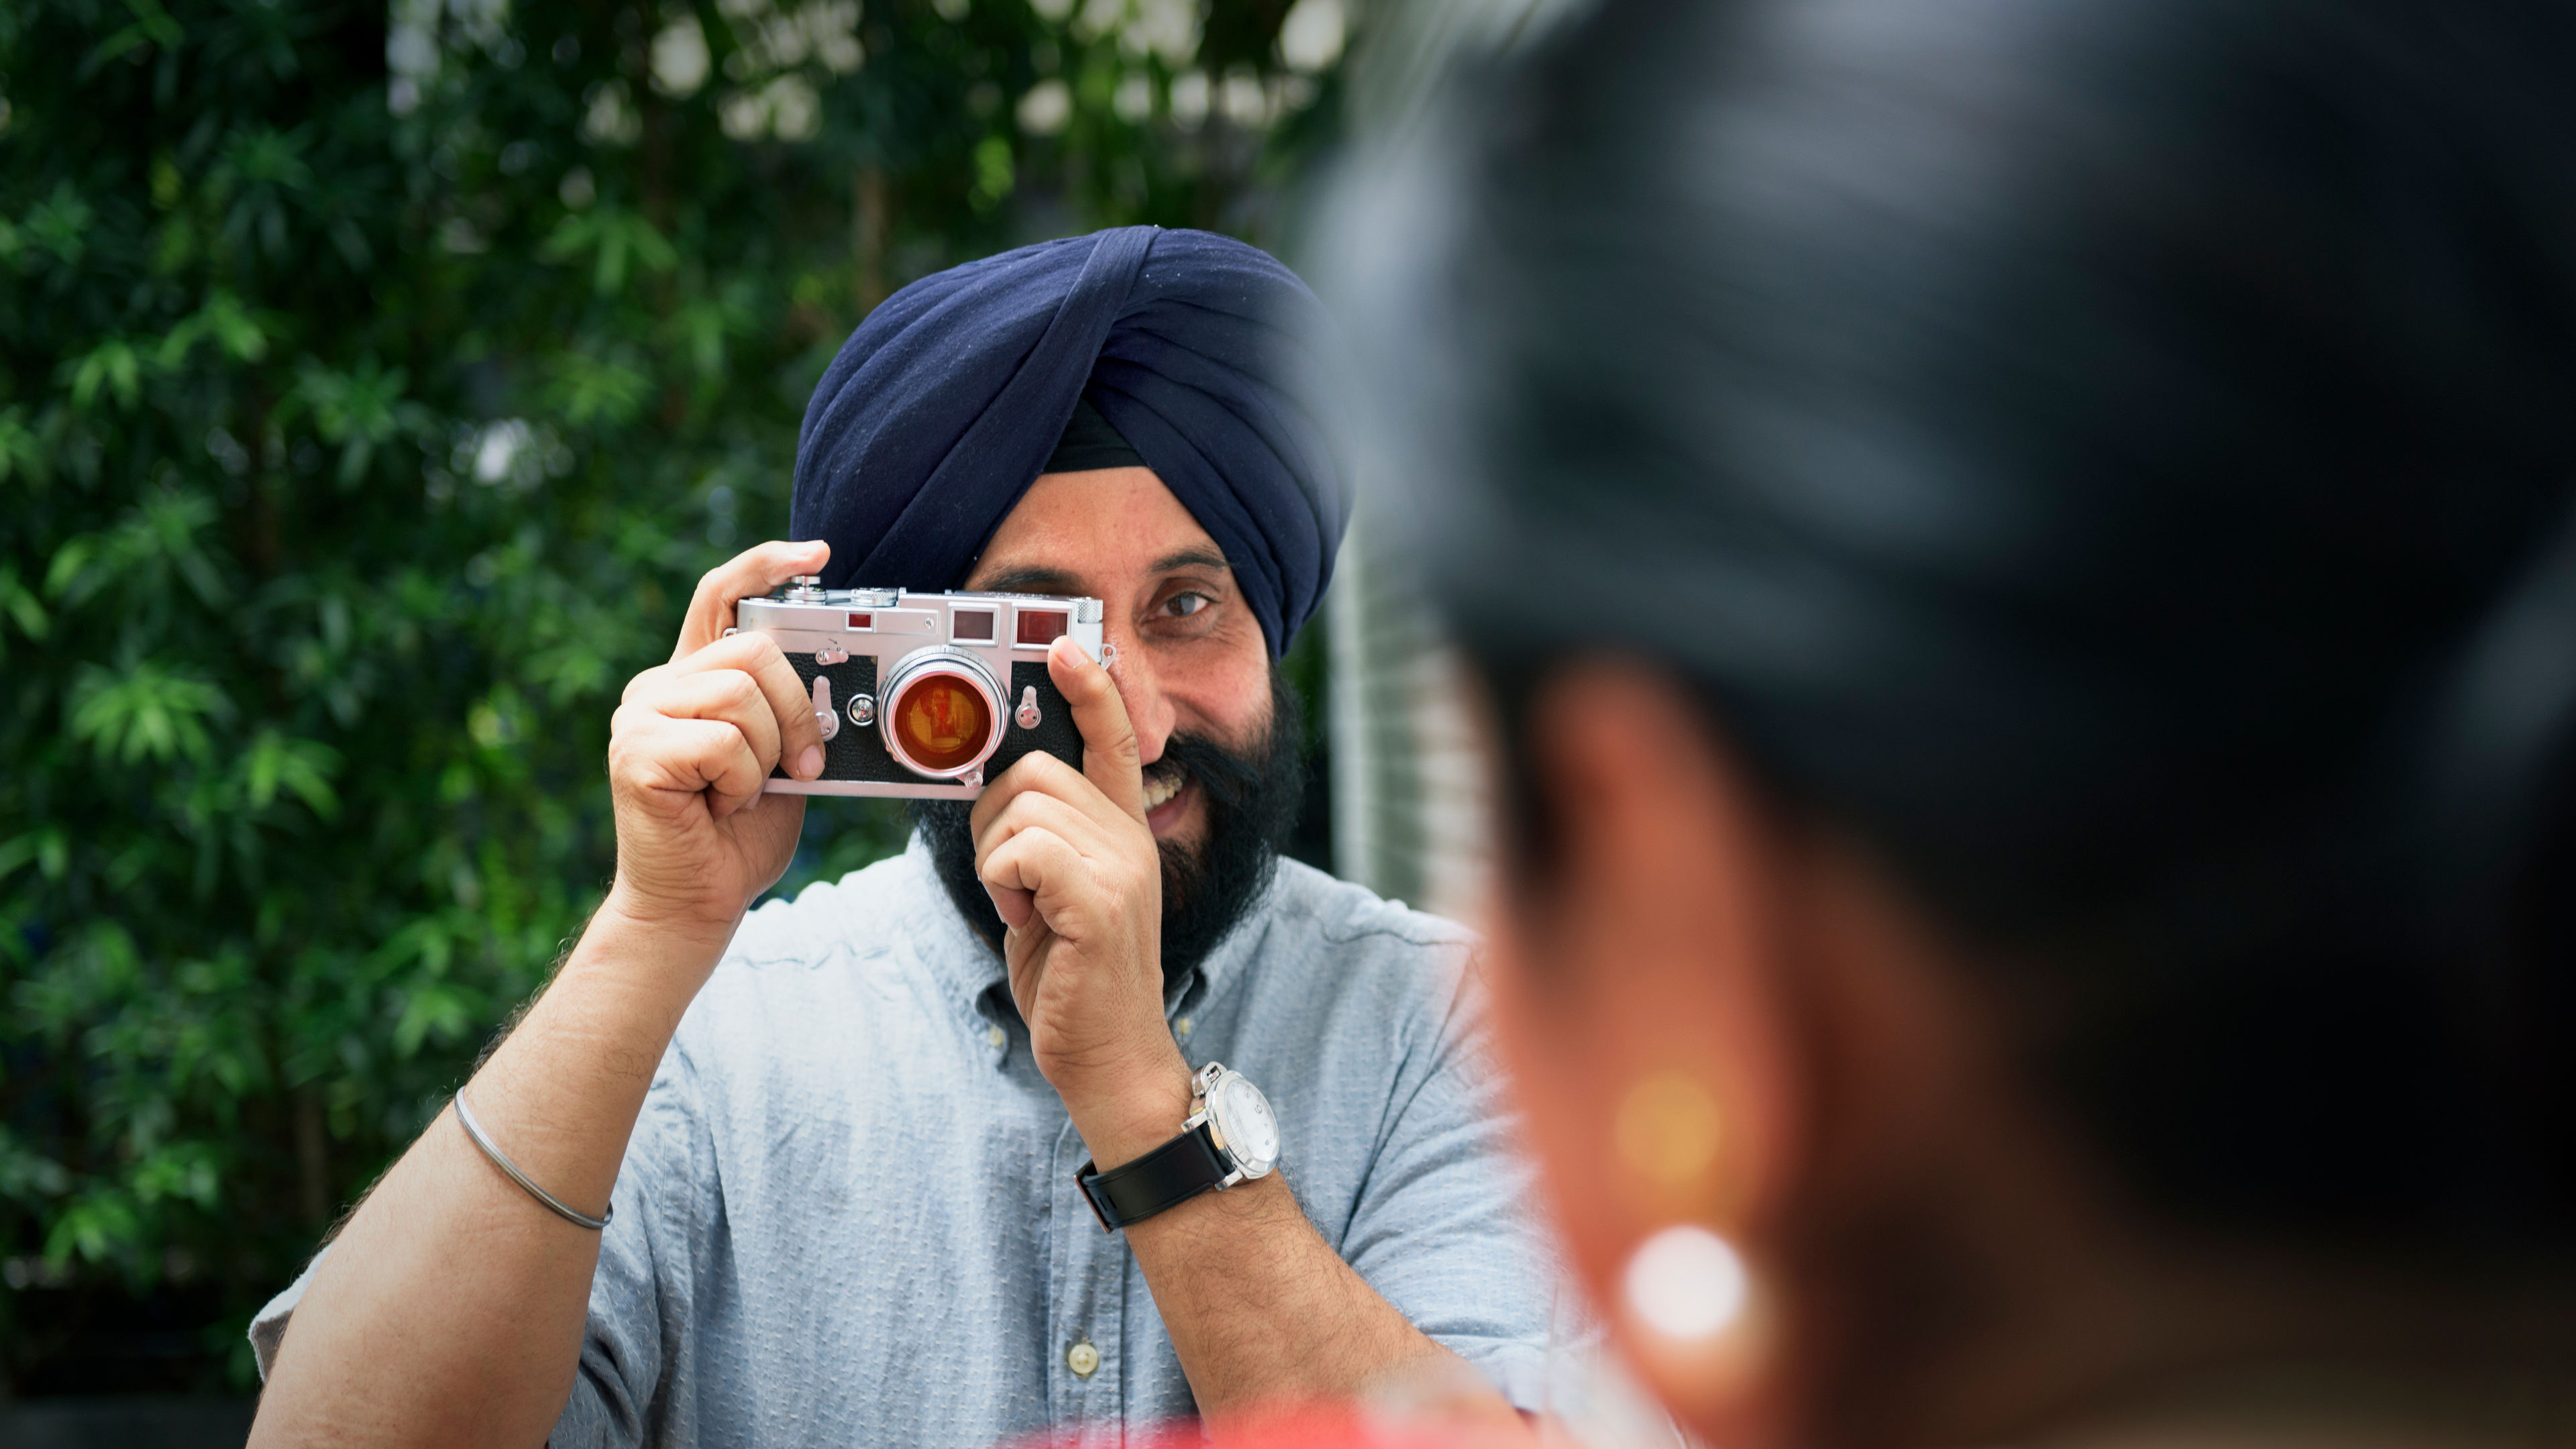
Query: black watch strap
{"type": "Point", "coordinates": [1166, 1177]}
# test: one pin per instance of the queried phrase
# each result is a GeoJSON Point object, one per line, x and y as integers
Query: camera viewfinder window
{"type": "Point", "coordinates": [863, 621]}
{"type": "Point", "coordinates": [1042, 627]}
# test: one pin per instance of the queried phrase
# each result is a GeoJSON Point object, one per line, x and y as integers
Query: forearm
{"type": "Point", "coordinates": [1263, 1312]}
{"type": "Point", "coordinates": [450, 1310]}
{"type": "Point", "coordinates": [1260, 1308]}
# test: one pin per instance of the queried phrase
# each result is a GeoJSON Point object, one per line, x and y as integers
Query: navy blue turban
{"type": "Point", "coordinates": [945, 404]}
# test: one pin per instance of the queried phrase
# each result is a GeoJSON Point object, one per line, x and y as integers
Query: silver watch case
{"type": "Point", "coordinates": [1244, 1127]}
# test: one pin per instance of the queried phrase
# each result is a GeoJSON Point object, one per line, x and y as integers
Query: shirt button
{"type": "Point", "coordinates": [1083, 1359]}
{"type": "Point", "coordinates": [997, 1036]}
{"type": "Point", "coordinates": [1181, 1027]}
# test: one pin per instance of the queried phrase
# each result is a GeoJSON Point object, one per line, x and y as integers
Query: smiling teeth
{"type": "Point", "coordinates": [1161, 788]}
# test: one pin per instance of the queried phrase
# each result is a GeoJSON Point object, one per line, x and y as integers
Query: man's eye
{"type": "Point", "coordinates": [1184, 605]}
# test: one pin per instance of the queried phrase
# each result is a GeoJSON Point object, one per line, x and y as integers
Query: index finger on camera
{"type": "Point", "coordinates": [748, 574]}
{"type": "Point", "coordinates": [1110, 758]}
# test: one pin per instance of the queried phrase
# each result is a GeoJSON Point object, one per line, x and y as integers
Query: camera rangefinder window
{"type": "Point", "coordinates": [1041, 627]}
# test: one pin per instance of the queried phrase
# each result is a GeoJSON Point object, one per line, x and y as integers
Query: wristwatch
{"type": "Point", "coordinates": [1231, 1136]}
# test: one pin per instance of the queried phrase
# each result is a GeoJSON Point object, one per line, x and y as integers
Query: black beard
{"type": "Point", "coordinates": [1252, 800]}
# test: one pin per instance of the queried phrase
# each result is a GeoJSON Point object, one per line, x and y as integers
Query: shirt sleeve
{"type": "Point", "coordinates": [641, 1295]}
{"type": "Point", "coordinates": [268, 1326]}
{"type": "Point", "coordinates": [1445, 1227]}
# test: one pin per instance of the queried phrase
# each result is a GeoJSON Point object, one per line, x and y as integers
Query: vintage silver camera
{"type": "Point", "coordinates": [925, 696]}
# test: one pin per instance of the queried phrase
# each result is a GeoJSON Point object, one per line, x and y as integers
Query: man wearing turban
{"type": "Point", "coordinates": [836, 1141]}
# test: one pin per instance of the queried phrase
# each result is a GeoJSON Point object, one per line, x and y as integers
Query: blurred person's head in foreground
{"type": "Point", "coordinates": [2024, 553]}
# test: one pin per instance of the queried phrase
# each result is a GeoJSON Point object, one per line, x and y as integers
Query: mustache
{"type": "Point", "coordinates": [1230, 779]}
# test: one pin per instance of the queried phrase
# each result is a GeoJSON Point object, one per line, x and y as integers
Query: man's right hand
{"type": "Point", "coordinates": [691, 746]}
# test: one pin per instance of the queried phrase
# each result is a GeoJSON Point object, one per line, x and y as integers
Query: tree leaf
{"type": "Point", "coordinates": [99, 1226]}
{"type": "Point", "coordinates": [147, 713]}
{"type": "Point", "coordinates": [114, 365]}
{"type": "Point", "coordinates": [302, 768]}
{"type": "Point", "coordinates": [21, 606]}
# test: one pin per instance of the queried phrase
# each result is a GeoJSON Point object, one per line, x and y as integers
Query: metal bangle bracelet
{"type": "Point", "coordinates": [474, 1129]}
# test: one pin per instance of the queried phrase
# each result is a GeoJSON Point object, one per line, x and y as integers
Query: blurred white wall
{"type": "Point", "coordinates": [1411, 807]}
{"type": "Point", "coordinates": [1412, 818]}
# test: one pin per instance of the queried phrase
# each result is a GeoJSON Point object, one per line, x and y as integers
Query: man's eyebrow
{"type": "Point", "coordinates": [1040, 579]}
{"type": "Point", "coordinates": [1189, 558]}
{"type": "Point", "coordinates": [1031, 579]}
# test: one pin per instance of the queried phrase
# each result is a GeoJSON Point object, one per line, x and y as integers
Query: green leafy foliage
{"type": "Point", "coordinates": [374, 385]}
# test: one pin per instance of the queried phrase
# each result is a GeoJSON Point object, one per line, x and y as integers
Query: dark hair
{"type": "Point", "coordinates": [2118, 459]}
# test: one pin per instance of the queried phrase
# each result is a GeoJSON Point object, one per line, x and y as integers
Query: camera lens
{"type": "Point", "coordinates": [944, 722]}
{"type": "Point", "coordinates": [941, 711]}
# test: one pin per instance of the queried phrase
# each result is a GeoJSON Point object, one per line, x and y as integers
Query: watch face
{"type": "Point", "coordinates": [1243, 1116]}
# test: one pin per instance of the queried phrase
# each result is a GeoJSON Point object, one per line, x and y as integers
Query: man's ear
{"type": "Point", "coordinates": [1640, 1000]}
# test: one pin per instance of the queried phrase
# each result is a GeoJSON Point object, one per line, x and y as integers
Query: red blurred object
{"type": "Point", "coordinates": [1320, 1428]}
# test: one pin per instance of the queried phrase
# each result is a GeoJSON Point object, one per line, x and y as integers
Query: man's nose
{"type": "Point", "coordinates": [1149, 710]}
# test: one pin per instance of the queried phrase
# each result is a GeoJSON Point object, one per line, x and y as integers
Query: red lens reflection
{"type": "Point", "coordinates": [943, 721]}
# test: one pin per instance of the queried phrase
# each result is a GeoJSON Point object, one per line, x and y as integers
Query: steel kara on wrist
{"type": "Point", "coordinates": [1231, 1136]}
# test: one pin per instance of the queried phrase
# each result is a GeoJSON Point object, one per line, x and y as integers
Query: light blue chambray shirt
{"type": "Point", "coordinates": [848, 1213]}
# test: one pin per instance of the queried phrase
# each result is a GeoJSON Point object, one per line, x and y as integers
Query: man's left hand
{"type": "Point", "coordinates": [1074, 871]}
